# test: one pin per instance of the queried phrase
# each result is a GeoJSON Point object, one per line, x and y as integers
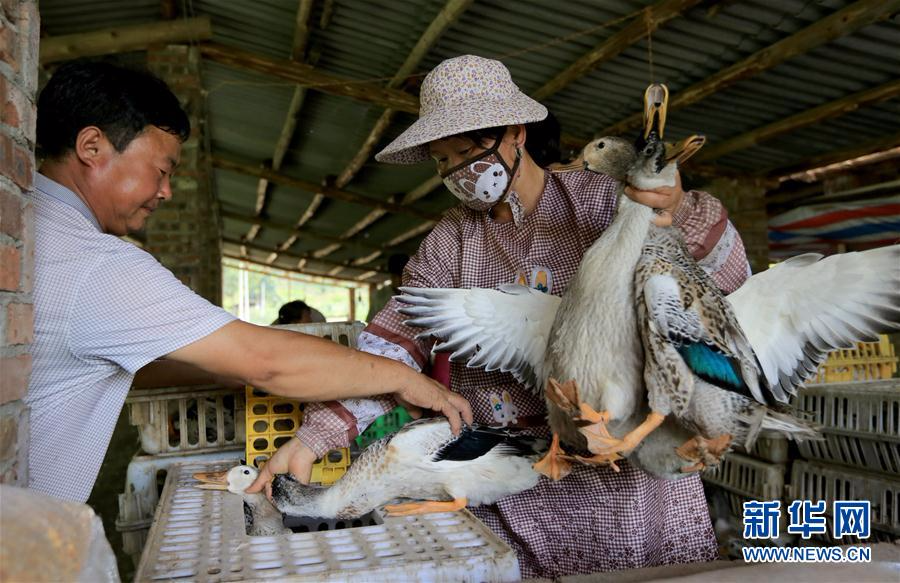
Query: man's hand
{"type": "Point", "coordinates": [665, 200]}
{"type": "Point", "coordinates": [427, 393]}
{"type": "Point", "coordinates": [293, 457]}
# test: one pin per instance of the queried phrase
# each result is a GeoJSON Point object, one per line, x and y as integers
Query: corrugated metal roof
{"type": "Point", "coordinates": [536, 39]}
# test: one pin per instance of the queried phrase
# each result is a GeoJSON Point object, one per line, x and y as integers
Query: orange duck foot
{"type": "Point", "coordinates": [425, 507]}
{"type": "Point", "coordinates": [554, 464]}
{"type": "Point", "coordinates": [704, 453]}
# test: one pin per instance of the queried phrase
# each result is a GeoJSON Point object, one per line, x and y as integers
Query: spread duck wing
{"type": "Point", "coordinates": [504, 329]}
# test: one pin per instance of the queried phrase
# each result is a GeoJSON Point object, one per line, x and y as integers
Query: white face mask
{"type": "Point", "coordinates": [483, 181]}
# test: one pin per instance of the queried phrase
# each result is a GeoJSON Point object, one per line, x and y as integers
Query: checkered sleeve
{"type": "Point", "coordinates": [712, 239]}
{"type": "Point", "coordinates": [336, 423]}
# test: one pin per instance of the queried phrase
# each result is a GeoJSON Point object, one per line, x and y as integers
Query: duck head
{"type": "Point", "coordinates": [235, 480]}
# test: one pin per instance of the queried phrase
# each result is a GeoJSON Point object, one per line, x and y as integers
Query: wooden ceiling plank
{"type": "Point", "coordinates": [836, 25]}
{"type": "Point", "coordinates": [802, 120]}
{"type": "Point", "coordinates": [642, 25]}
{"type": "Point", "coordinates": [448, 15]}
{"type": "Point", "coordinates": [123, 39]}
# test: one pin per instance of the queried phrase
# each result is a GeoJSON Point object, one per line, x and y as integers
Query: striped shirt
{"type": "Point", "coordinates": [103, 308]}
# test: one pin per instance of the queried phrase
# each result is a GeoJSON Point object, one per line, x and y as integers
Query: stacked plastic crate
{"type": "Point", "coordinates": [208, 423]}
{"type": "Point", "coordinates": [861, 425]}
{"type": "Point", "coordinates": [858, 409]}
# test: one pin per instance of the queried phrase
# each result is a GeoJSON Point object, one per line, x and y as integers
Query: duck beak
{"type": "Point", "coordinates": [681, 151]}
{"type": "Point", "coordinates": [212, 480]}
{"type": "Point", "coordinates": [656, 101]}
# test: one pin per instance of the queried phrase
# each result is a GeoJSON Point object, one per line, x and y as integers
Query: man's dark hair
{"type": "Point", "coordinates": [120, 101]}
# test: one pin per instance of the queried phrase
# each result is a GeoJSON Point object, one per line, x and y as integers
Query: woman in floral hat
{"type": "Point", "coordinates": [520, 223]}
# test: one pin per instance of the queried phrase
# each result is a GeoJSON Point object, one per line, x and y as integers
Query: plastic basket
{"type": "Point", "coordinates": [747, 477]}
{"type": "Point", "coordinates": [187, 419]}
{"type": "Point", "coordinates": [860, 422]}
{"type": "Point", "coordinates": [771, 449]}
{"type": "Point", "coordinates": [330, 468]}
{"type": "Point", "coordinates": [137, 503]}
{"type": "Point", "coordinates": [199, 536]}
{"type": "Point", "coordinates": [817, 481]}
{"type": "Point", "coordinates": [273, 420]}
{"type": "Point", "coordinates": [344, 333]}
{"type": "Point", "coordinates": [387, 424]}
{"type": "Point", "coordinates": [868, 361]}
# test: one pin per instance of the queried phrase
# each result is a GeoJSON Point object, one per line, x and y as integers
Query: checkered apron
{"type": "Point", "coordinates": [594, 519]}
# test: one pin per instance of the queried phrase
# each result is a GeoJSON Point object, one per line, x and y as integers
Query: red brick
{"type": "Point", "coordinates": [14, 371]}
{"type": "Point", "coordinates": [19, 324]}
{"type": "Point", "coordinates": [10, 213]}
{"type": "Point", "coordinates": [10, 267]}
{"type": "Point", "coordinates": [9, 436]}
{"type": "Point", "coordinates": [22, 166]}
{"type": "Point", "coordinates": [27, 248]}
{"type": "Point", "coordinates": [9, 46]}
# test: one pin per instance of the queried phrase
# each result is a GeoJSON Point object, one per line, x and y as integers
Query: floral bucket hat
{"type": "Point", "coordinates": [459, 95]}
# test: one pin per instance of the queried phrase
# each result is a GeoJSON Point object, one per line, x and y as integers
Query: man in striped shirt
{"type": "Point", "coordinates": [110, 139]}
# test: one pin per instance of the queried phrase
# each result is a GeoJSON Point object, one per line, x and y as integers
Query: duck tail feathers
{"type": "Point", "coordinates": [787, 425]}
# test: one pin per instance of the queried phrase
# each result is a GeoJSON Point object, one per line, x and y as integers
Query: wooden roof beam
{"type": "Point", "coordinates": [310, 77]}
{"type": "Point", "coordinates": [831, 161]}
{"type": "Point", "coordinates": [298, 256]}
{"type": "Point", "coordinates": [335, 193]}
{"type": "Point", "coordinates": [801, 120]}
{"type": "Point", "coordinates": [298, 50]}
{"type": "Point", "coordinates": [298, 231]}
{"type": "Point", "coordinates": [448, 15]}
{"type": "Point", "coordinates": [304, 271]}
{"type": "Point", "coordinates": [123, 39]}
{"type": "Point", "coordinates": [838, 24]}
{"type": "Point", "coordinates": [649, 20]}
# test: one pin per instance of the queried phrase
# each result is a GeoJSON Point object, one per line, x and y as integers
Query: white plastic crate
{"type": "Point", "coordinates": [860, 422]}
{"type": "Point", "coordinates": [771, 449]}
{"type": "Point", "coordinates": [137, 503]}
{"type": "Point", "coordinates": [817, 481]}
{"type": "Point", "coordinates": [187, 419]}
{"type": "Point", "coordinates": [199, 535]}
{"type": "Point", "coordinates": [748, 477]}
{"type": "Point", "coordinates": [344, 333]}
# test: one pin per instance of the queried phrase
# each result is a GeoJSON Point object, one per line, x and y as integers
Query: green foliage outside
{"type": "Point", "coordinates": [254, 293]}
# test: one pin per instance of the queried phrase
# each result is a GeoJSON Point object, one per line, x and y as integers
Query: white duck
{"type": "Point", "coordinates": [261, 518]}
{"type": "Point", "coordinates": [538, 338]}
{"type": "Point", "coordinates": [425, 462]}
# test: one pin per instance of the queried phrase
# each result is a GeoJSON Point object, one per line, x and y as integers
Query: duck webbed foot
{"type": "Point", "coordinates": [425, 507]}
{"type": "Point", "coordinates": [591, 423]}
{"type": "Point", "coordinates": [554, 464]}
{"type": "Point", "coordinates": [703, 453]}
{"type": "Point", "coordinates": [605, 445]}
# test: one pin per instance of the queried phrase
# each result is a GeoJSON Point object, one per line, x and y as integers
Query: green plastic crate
{"type": "Point", "coordinates": [384, 425]}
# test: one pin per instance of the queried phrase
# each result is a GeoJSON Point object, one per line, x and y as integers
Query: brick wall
{"type": "Point", "coordinates": [184, 233]}
{"type": "Point", "coordinates": [744, 199]}
{"type": "Point", "coordinates": [19, 27]}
